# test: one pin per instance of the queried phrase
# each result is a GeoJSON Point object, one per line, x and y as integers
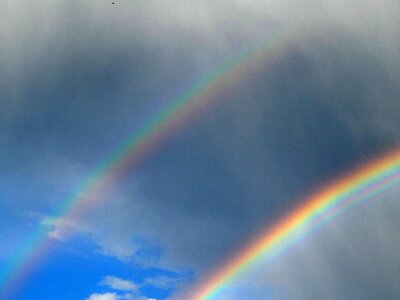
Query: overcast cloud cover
{"type": "Point", "coordinates": [79, 76]}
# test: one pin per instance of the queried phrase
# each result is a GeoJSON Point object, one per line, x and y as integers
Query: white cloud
{"type": "Point", "coordinates": [119, 284]}
{"type": "Point", "coordinates": [128, 289]}
{"type": "Point", "coordinates": [61, 228]}
{"type": "Point", "coordinates": [115, 296]}
{"type": "Point", "coordinates": [106, 296]}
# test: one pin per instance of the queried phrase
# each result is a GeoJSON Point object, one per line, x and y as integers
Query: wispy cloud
{"type": "Point", "coordinates": [61, 228]}
{"type": "Point", "coordinates": [119, 284]}
{"type": "Point", "coordinates": [162, 282]}
{"type": "Point", "coordinates": [124, 289]}
{"type": "Point", "coordinates": [114, 296]}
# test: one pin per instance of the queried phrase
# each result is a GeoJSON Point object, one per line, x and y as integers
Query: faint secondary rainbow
{"type": "Point", "coordinates": [146, 139]}
{"type": "Point", "coordinates": [365, 183]}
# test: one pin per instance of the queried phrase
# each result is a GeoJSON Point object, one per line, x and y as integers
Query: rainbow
{"type": "Point", "coordinates": [367, 182]}
{"type": "Point", "coordinates": [141, 143]}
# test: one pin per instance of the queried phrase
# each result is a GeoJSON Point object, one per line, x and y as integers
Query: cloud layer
{"type": "Point", "coordinates": [81, 75]}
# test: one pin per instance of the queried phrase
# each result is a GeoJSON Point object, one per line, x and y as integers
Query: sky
{"type": "Point", "coordinates": [80, 77]}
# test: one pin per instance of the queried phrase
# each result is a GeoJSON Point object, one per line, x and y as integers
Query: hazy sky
{"type": "Point", "coordinates": [78, 77]}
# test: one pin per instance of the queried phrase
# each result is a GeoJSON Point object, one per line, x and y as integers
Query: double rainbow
{"type": "Point", "coordinates": [367, 182]}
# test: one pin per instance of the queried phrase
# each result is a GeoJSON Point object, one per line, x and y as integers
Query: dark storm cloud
{"type": "Point", "coordinates": [73, 92]}
{"type": "Point", "coordinates": [241, 167]}
{"type": "Point", "coordinates": [76, 83]}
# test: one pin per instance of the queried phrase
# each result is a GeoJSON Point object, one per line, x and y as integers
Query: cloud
{"type": "Point", "coordinates": [105, 296]}
{"type": "Point", "coordinates": [313, 117]}
{"type": "Point", "coordinates": [80, 76]}
{"type": "Point", "coordinates": [61, 228]}
{"type": "Point", "coordinates": [114, 296]}
{"type": "Point", "coordinates": [130, 289]}
{"type": "Point", "coordinates": [119, 284]}
{"type": "Point", "coordinates": [162, 282]}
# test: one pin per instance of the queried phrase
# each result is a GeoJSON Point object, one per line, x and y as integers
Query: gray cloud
{"type": "Point", "coordinates": [81, 75]}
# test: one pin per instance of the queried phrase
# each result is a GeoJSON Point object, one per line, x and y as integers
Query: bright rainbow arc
{"type": "Point", "coordinates": [152, 134]}
{"type": "Point", "coordinates": [365, 183]}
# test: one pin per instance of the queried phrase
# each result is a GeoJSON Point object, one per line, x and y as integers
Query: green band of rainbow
{"type": "Point", "coordinates": [369, 181]}
{"type": "Point", "coordinates": [147, 139]}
